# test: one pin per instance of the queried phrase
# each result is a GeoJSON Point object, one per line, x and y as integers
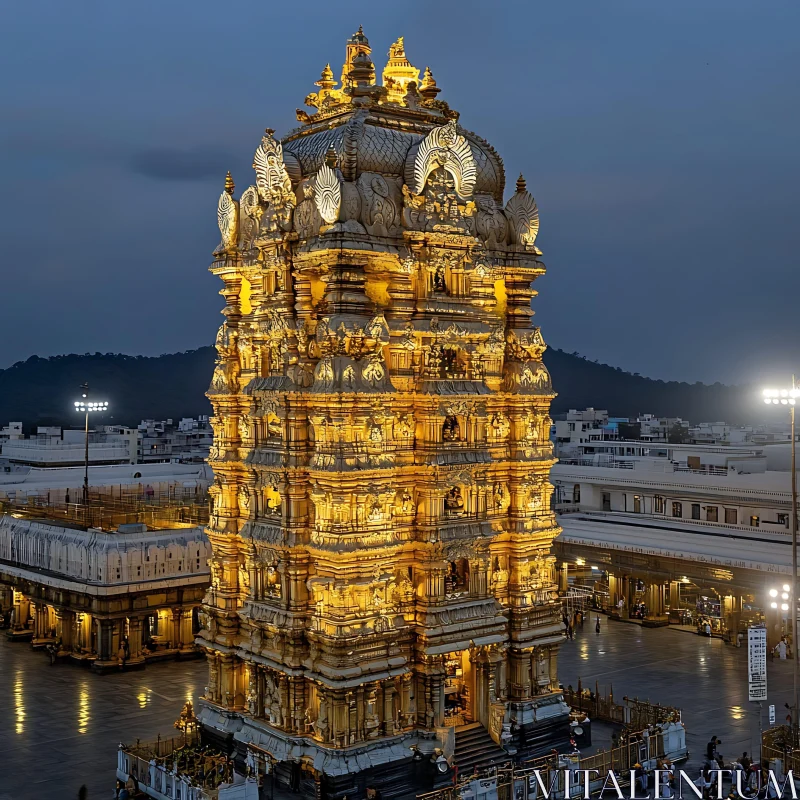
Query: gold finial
{"type": "Point", "coordinates": [331, 158]}
{"type": "Point", "coordinates": [521, 185]}
{"type": "Point", "coordinates": [229, 184]}
{"type": "Point", "coordinates": [398, 50]}
{"type": "Point", "coordinates": [428, 88]}
{"type": "Point", "coordinates": [269, 131]}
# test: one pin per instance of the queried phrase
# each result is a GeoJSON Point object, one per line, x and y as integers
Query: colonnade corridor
{"type": "Point", "coordinates": [704, 677]}
{"type": "Point", "coordinates": [60, 725]}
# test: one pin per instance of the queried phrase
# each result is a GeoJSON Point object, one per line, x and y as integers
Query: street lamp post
{"type": "Point", "coordinates": [788, 397]}
{"type": "Point", "coordinates": [86, 407]}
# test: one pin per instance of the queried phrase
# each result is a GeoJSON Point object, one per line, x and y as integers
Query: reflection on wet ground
{"type": "Point", "coordinates": [60, 725]}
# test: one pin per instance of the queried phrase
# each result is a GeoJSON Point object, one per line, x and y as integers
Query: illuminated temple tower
{"type": "Point", "coordinates": [381, 526]}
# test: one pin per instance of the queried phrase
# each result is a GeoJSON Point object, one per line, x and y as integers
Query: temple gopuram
{"type": "Point", "coordinates": [382, 587]}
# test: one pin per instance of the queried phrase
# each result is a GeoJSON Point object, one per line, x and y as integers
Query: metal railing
{"type": "Point", "coordinates": [107, 513]}
{"type": "Point", "coordinates": [635, 714]}
{"type": "Point", "coordinates": [635, 749]}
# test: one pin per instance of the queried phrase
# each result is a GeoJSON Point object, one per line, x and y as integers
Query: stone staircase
{"type": "Point", "coordinates": [475, 748]}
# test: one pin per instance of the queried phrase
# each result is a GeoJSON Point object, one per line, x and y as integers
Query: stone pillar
{"type": "Point", "coordinates": [674, 595]}
{"type": "Point", "coordinates": [388, 708]}
{"type": "Point", "coordinates": [177, 630]}
{"type": "Point", "coordinates": [135, 641]}
{"type": "Point", "coordinates": [227, 680]}
{"type": "Point", "coordinates": [65, 629]}
{"type": "Point", "coordinates": [613, 591]}
{"type": "Point", "coordinates": [41, 625]}
{"type": "Point", "coordinates": [19, 618]}
{"type": "Point", "coordinates": [553, 667]}
{"type": "Point", "coordinates": [6, 598]}
{"type": "Point", "coordinates": [182, 629]}
{"type": "Point", "coordinates": [106, 649]}
{"type": "Point", "coordinates": [732, 614]}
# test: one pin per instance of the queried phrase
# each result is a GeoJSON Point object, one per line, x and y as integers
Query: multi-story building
{"type": "Point", "coordinates": [188, 441]}
{"type": "Point", "coordinates": [679, 526]}
{"type": "Point", "coordinates": [588, 425]}
{"type": "Point", "coordinates": [381, 526]}
{"type": "Point", "coordinates": [109, 599]}
{"type": "Point", "coordinates": [54, 447]}
{"type": "Point", "coordinates": [10, 432]}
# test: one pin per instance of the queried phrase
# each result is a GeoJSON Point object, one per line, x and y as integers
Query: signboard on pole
{"type": "Point", "coordinates": [772, 715]}
{"type": "Point", "coordinates": [757, 662]}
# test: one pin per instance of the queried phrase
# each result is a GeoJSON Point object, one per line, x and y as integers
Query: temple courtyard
{"type": "Point", "coordinates": [60, 725]}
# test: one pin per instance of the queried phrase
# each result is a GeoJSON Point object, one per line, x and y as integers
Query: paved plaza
{"type": "Point", "coordinates": [60, 726]}
{"type": "Point", "coordinates": [705, 678]}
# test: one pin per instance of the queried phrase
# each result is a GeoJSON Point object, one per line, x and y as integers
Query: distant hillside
{"type": "Point", "coordinates": [40, 391]}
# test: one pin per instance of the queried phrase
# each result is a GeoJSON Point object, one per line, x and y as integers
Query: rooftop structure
{"type": "Point", "coordinates": [54, 447]}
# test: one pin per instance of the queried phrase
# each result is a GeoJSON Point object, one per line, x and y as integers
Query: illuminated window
{"type": "Point", "coordinates": [754, 522]}
{"type": "Point", "coordinates": [637, 504]}
{"type": "Point", "coordinates": [658, 504]}
{"type": "Point", "coordinates": [677, 509]}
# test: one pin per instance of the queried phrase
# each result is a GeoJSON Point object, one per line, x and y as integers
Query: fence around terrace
{"type": "Point", "coordinates": [175, 507]}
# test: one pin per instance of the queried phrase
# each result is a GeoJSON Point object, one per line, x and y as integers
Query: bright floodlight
{"type": "Point", "coordinates": [88, 406]}
{"type": "Point", "coordinates": [785, 596]}
{"type": "Point", "coordinates": [784, 606]}
{"type": "Point", "coordinates": [773, 605]}
{"type": "Point", "coordinates": [773, 592]}
{"type": "Point", "coordinates": [786, 587]}
{"type": "Point", "coordinates": [781, 397]}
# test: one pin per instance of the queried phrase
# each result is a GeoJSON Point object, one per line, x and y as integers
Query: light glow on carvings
{"type": "Point", "coordinates": [501, 297]}
{"type": "Point", "coordinates": [244, 297]}
{"type": "Point", "coordinates": [377, 339]}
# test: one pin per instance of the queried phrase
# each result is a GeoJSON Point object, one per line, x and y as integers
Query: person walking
{"type": "Point", "coordinates": [597, 625]}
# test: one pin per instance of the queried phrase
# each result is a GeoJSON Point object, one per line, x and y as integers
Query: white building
{"type": "Point", "coordinates": [93, 593]}
{"type": "Point", "coordinates": [10, 432]}
{"type": "Point", "coordinates": [661, 429]}
{"type": "Point", "coordinates": [587, 425]}
{"type": "Point", "coordinates": [658, 520]}
{"type": "Point", "coordinates": [54, 447]}
{"type": "Point", "coordinates": [187, 441]}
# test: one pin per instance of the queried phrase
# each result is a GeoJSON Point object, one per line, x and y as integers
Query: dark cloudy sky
{"type": "Point", "coordinates": [659, 138]}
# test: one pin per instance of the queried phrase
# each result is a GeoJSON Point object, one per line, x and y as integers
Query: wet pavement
{"type": "Point", "coordinates": [60, 726]}
{"type": "Point", "coordinates": [705, 678]}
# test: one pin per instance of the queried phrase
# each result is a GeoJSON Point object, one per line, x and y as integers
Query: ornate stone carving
{"type": "Point", "coordinates": [250, 212]}
{"type": "Point", "coordinates": [327, 194]}
{"type": "Point", "coordinates": [227, 215]}
{"type": "Point", "coordinates": [446, 148]}
{"type": "Point", "coordinates": [523, 215]}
